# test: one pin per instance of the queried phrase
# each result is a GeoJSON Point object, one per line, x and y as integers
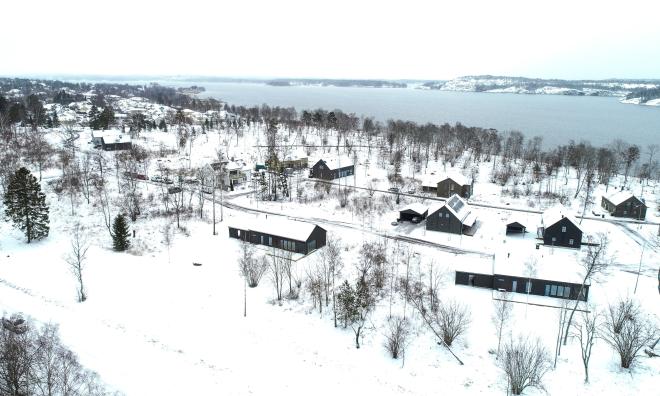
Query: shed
{"type": "Point", "coordinates": [413, 210]}
{"type": "Point", "coordinates": [515, 227]}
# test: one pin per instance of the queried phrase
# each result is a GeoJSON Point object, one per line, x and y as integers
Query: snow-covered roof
{"type": "Point", "coordinates": [459, 208]}
{"type": "Point", "coordinates": [290, 229]}
{"type": "Point", "coordinates": [619, 197]}
{"type": "Point", "coordinates": [556, 213]}
{"type": "Point", "coordinates": [457, 177]}
{"type": "Point", "coordinates": [416, 208]}
{"type": "Point", "coordinates": [112, 136]}
{"type": "Point", "coordinates": [334, 162]}
{"type": "Point", "coordinates": [430, 181]}
{"type": "Point", "coordinates": [547, 266]}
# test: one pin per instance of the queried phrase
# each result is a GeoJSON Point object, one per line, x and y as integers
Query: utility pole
{"type": "Point", "coordinates": [639, 269]}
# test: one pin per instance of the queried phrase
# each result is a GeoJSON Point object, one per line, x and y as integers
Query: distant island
{"type": "Point", "coordinates": [631, 91]}
{"type": "Point", "coordinates": [283, 82]}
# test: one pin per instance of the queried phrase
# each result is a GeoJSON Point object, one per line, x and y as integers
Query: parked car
{"type": "Point", "coordinates": [157, 179]}
{"type": "Point", "coordinates": [411, 191]}
{"type": "Point", "coordinates": [395, 223]}
{"type": "Point", "coordinates": [393, 189]}
{"type": "Point", "coordinates": [167, 180]}
{"type": "Point", "coordinates": [174, 190]}
{"type": "Point", "coordinates": [416, 219]}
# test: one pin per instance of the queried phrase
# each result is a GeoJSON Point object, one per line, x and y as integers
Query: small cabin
{"type": "Point", "coordinates": [559, 228]}
{"type": "Point", "coordinates": [332, 169]}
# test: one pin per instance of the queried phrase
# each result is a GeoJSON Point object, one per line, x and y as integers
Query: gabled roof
{"type": "Point", "coordinates": [335, 163]}
{"type": "Point", "coordinates": [456, 177]}
{"type": "Point", "coordinates": [460, 209]}
{"type": "Point", "coordinates": [290, 229]}
{"type": "Point", "coordinates": [416, 208]}
{"type": "Point", "coordinates": [620, 197]}
{"type": "Point", "coordinates": [557, 213]}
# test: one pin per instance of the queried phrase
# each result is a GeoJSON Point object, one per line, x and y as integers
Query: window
{"type": "Point", "coordinates": [560, 291]}
{"type": "Point", "coordinates": [547, 290]}
{"type": "Point", "coordinates": [529, 287]}
{"type": "Point", "coordinates": [567, 292]}
{"type": "Point", "coordinates": [563, 229]}
{"type": "Point", "coordinates": [570, 241]}
{"type": "Point", "coordinates": [514, 286]}
{"type": "Point", "coordinates": [239, 233]}
{"type": "Point", "coordinates": [553, 290]}
{"type": "Point", "coordinates": [554, 239]}
{"type": "Point", "coordinates": [447, 215]}
{"type": "Point", "coordinates": [262, 240]}
{"type": "Point", "coordinates": [270, 241]}
{"type": "Point", "coordinates": [311, 245]}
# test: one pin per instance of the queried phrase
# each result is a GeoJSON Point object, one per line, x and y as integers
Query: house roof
{"type": "Point", "coordinates": [335, 162]}
{"type": "Point", "coordinates": [456, 177]}
{"type": "Point", "coordinates": [460, 209]}
{"type": "Point", "coordinates": [112, 136]}
{"type": "Point", "coordinates": [619, 197]}
{"type": "Point", "coordinates": [416, 208]}
{"type": "Point", "coordinates": [290, 229]}
{"type": "Point", "coordinates": [555, 214]}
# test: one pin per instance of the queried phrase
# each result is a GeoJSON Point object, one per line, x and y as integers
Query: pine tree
{"type": "Point", "coordinates": [120, 234]}
{"type": "Point", "coordinates": [25, 205]}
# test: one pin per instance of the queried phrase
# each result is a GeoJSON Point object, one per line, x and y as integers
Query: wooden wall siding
{"type": "Point", "coordinates": [438, 221]}
{"type": "Point", "coordinates": [331, 174]}
{"type": "Point", "coordinates": [318, 234]}
{"type": "Point", "coordinates": [506, 282]}
{"type": "Point", "coordinates": [631, 208]}
{"type": "Point", "coordinates": [448, 187]}
{"type": "Point", "coordinates": [563, 238]}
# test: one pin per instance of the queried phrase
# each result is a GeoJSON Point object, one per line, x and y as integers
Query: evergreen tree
{"type": "Point", "coordinates": [120, 234]}
{"type": "Point", "coordinates": [56, 120]}
{"type": "Point", "coordinates": [25, 205]}
{"type": "Point", "coordinates": [93, 117]}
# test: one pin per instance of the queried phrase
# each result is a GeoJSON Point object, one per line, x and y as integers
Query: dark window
{"type": "Point", "coordinates": [547, 290]}
{"type": "Point", "coordinates": [553, 290]}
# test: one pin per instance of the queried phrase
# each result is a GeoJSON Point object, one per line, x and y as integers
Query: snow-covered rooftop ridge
{"type": "Point", "coordinates": [416, 207]}
{"type": "Point", "coordinates": [560, 266]}
{"type": "Point", "coordinates": [290, 229]}
{"type": "Point", "coordinates": [619, 197]}
{"type": "Point", "coordinates": [334, 162]}
{"type": "Point", "coordinates": [556, 213]}
{"type": "Point", "coordinates": [112, 136]}
{"type": "Point", "coordinates": [459, 208]}
{"type": "Point", "coordinates": [457, 177]}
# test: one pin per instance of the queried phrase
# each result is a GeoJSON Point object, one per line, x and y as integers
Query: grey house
{"type": "Point", "coordinates": [454, 216]}
{"type": "Point", "coordinates": [624, 204]}
{"type": "Point", "coordinates": [294, 236]}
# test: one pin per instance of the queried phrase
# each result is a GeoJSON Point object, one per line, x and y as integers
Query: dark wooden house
{"type": "Point", "coordinates": [521, 284]}
{"type": "Point", "coordinates": [295, 236]}
{"type": "Point", "coordinates": [415, 211]}
{"type": "Point", "coordinates": [454, 184]}
{"type": "Point", "coordinates": [559, 228]}
{"type": "Point", "coordinates": [111, 140]}
{"type": "Point", "coordinates": [624, 204]}
{"type": "Point", "coordinates": [332, 169]}
{"type": "Point", "coordinates": [552, 276]}
{"type": "Point", "coordinates": [455, 216]}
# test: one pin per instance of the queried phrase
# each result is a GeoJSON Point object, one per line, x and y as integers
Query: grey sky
{"type": "Point", "coordinates": [333, 39]}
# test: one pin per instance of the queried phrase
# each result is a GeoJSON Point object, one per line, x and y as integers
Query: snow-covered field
{"type": "Point", "coordinates": [154, 324]}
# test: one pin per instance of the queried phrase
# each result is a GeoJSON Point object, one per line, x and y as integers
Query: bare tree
{"type": "Point", "coordinates": [77, 257]}
{"type": "Point", "coordinates": [397, 336]}
{"type": "Point", "coordinates": [594, 263]}
{"type": "Point", "coordinates": [585, 329]}
{"type": "Point", "coordinates": [503, 310]}
{"type": "Point", "coordinates": [279, 260]}
{"type": "Point", "coordinates": [628, 332]}
{"type": "Point", "coordinates": [335, 266]}
{"type": "Point", "coordinates": [524, 363]}
{"type": "Point", "coordinates": [252, 268]}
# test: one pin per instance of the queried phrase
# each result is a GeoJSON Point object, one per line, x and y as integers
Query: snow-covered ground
{"type": "Point", "coordinates": [154, 324]}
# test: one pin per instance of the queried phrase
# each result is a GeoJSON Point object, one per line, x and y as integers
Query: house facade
{"type": "Point", "coordinates": [455, 217]}
{"type": "Point", "coordinates": [450, 186]}
{"type": "Point", "coordinates": [560, 229]}
{"type": "Point", "coordinates": [331, 170]}
{"type": "Point", "coordinates": [520, 284]}
{"type": "Point", "coordinates": [624, 204]}
{"type": "Point", "coordinates": [293, 236]}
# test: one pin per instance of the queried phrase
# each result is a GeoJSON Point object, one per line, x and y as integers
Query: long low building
{"type": "Point", "coordinates": [624, 204]}
{"type": "Point", "coordinates": [295, 236]}
{"type": "Point", "coordinates": [555, 275]}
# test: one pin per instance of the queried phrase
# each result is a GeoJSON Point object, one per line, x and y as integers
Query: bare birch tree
{"type": "Point", "coordinates": [77, 258]}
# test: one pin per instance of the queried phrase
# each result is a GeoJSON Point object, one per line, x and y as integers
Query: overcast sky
{"type": "Point", "coordinates": [573, 39]}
